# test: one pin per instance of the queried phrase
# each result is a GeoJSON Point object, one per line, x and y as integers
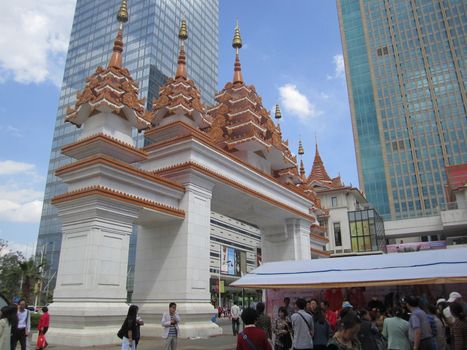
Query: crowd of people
{"type": "Point", "coordinates": [412, 324]}
{"type": "Point", "coordinates": [15, 327]}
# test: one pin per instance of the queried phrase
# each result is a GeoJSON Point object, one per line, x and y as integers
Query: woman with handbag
{"type": "Point", "coordinates": [129, 329]}
{"type": "Point", "coordinates": [282, 331]}
{"type": "Point", "coordinates": [42, 327]}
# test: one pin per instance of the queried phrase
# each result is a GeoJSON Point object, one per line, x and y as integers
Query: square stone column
{"type": "Point", "coordinates": [290, 241]}
{"type": "Point", "coordinates": [89, 302]}
{"type": "Point", "coordinates": [172, 265]}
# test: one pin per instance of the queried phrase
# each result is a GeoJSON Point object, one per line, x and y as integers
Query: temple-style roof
{"type": "Point", "coordinates": [179, 95]}
{"type": "Point", "coordinates": [241, 123]}
{"type": "Point", "coordinates": [111, 89]}
{"type": "Point", "coordinates": [319, 177]}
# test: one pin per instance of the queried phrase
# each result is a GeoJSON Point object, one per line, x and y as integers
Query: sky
{"type": "Point", "coordinates": [291, 52]}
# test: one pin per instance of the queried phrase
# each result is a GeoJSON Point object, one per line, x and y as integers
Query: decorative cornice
{"type": "Point", "coordinates": [116, 164]}
{"type": "Point", "coordinates": [100, 137]}
{"type": "Point", "coordinates": [117, 195]}
{"type": "Point", "coordinates": [320, 252]}
{"type": "Point", "coordinates": [215, 175]}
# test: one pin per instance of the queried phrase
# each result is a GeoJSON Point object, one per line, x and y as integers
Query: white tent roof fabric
{"type": "Point", "coordinates": [424, 267]}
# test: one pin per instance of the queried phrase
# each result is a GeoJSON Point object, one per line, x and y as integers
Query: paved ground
{"type": "Point", "coordinates": [222, 342]}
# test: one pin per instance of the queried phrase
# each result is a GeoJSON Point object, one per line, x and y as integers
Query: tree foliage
{"type": "Point", "coordinates": [18, 275]}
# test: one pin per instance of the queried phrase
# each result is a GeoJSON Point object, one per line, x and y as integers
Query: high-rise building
{"type": "Point", "coordinates": [406, 72]}
{"type": "Point", "coordinates": [151, 49]}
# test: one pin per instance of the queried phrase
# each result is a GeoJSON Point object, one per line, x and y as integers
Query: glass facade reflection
{"type": "Point", "coordinates": [406, 74]}
{"type": "Point", "coordinates": [150, 54]}
{"type": "Point", "coordinates": [366, 231]}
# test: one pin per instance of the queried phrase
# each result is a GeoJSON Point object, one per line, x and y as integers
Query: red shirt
{"type": "Point", "coordinates": [257, 336]}
{"type": "Point", "coordinates": [43, 321]}
{"type": "Point", "coordinates": [331, 317]}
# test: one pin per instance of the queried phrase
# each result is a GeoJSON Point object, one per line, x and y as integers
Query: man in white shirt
{"type": "Point", "coordinates": [235, 315]}
{"type": "Point", "coordinates": [24, 326]}
{"type": "Point", "coordinates": [170, 321]}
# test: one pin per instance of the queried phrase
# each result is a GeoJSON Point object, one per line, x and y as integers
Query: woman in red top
{"type": "Point", "coordinates": [252, 337]}
{"type": "Point", "coordinates": [42, 327]}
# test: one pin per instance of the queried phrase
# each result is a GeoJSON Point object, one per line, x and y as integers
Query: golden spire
{"type": "Point", "coordinates": [237, 39]}
{"type": "Point", "coordinates": [181, 68]}
{"type": "Point", "coordinates": [278, 114]}
{"type": "Point", "coordinates": [301, 151]}
{"type": "Point", "coordinates": [237, 44]}
{"type": "Point", "coordinates": [183, 33]}
{"type": "Point", "coordinates": [122, 17]}
{"type": "Point", "coordinates": [302, 169]}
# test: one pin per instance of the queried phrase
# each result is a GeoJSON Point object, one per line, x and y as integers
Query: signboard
{"type": "Point", "coordinates": [233, 261]}
{"type": "Point", "coordinates": [415, 246]}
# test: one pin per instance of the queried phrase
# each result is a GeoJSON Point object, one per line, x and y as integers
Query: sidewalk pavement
{"type": "Point", "coordinates": [222, 342]}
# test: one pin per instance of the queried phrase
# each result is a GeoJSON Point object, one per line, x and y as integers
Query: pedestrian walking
{"type": "Point", "coordinates": [170, 321]}
{"type": "Point", "coordinates": [129, 329]}
{"type": "Point", "coordinates": [322, 332]}
{"type": "Point", "coordinates": [7, 321]}
{"type": "Point", "coordinates": [302, 324]}
{"type": "Point", "coordinates": [282, 330]}
{"type": "Point", "coordinates": [419, 326]}
{"type": "Point", "coordinates": [22, 331]}
{"type": "Point", "coordinates": [396, 331]}
{"type": "Point", "coordinates": [235, 316]}
{"type": "Point", "coordinates": [263, 321]}
{"type": "Point", "coordinates": [346, 337]}
{"type": "Point", "coordinates": [43, 327]}
{"type": "Point", "coordinates": [459, 327]}
{"type": "Point", "coordinates": [252, 337]}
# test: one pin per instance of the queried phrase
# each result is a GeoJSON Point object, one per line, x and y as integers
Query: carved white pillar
{"type": "Point", "coordinates": [90, 295]}
{"type": "Point", "coordinates": [172, 265]}
{"type": "Point", "coordinates": [290, 241]}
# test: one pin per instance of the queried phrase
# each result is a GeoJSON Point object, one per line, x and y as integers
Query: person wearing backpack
{"type": "Point", "coordinates": [252, 337]}
{"type": "Point", "coordinates": [303, 328]}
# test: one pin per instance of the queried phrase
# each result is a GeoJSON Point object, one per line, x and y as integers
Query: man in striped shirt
{"type": "Point", "coordinates": [170, 321]}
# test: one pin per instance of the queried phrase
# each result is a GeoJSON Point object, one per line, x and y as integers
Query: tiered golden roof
{"type": "Point", "coordinates": [179, 95]}
{"type": "Point", "coordinates": [111, 89]}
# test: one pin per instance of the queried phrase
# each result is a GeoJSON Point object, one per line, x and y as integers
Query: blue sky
{"type": "Point", "coordinates": [292, 53]}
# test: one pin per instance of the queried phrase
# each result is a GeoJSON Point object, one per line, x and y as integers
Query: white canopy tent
{"type": "Point", "coordinates": [424, 267]}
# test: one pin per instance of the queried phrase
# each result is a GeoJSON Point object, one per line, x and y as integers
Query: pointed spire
{"type": "Point", "coordinates": [302, 169]}
{"type": "Point", "coordinates": [122, 17]}
{"type": "Point", "coordinates": [278, 114]}
{"type": "Point", "coordinates": [318, 172]}
{"type": "Point", "coordinates": [182, 35]}
{"type": "Point", "coordinates": [237, 44]}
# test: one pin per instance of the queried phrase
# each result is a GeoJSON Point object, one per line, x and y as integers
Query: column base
{"type": "Point", "coordinates": [85, 324]}
{"type": "Point", "coordinates": [196, 319]}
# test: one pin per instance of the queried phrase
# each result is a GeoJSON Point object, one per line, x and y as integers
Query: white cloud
{"type": "Point", "coordinates": [8, 167]}
{"type": "Point", "coordinates": [10, 130]}
{"type": "Point", "coordinates": [297, 103]}
{"type": "Point", "coordinates": [34, 39]}
{"type": "Point", "coordinates": [20, 201]}
{"type": "Point", "coordinates": [339, 67]}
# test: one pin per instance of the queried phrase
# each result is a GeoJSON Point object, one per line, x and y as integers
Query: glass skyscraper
{"type": "Point", "coordinates": [150, 53]}
{"type": "Point", "coordinates": [406, 76]}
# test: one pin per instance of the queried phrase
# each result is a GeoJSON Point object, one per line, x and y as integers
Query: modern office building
{"type": "Point", "coordinates": [406, 71]}
{"type": "Point", "coordinates": [151, 49]}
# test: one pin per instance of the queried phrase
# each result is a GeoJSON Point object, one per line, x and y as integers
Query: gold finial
{"type": "Point", "coordinates": [278, 114]}
{"type": "Point", "coordinates": [301, 151]}
{"type": "Point", "coordinates": [237, 39]}
{"type": "Point", "coordinates": [183, 33]}
{"type": "Point", "coordinates": [302, 168]}
{"type": "Point", "coordinates": [122, 15]}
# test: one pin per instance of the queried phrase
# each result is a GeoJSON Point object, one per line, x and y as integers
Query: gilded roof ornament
{"type": "Point", "coordinates": [278, 114]}
{"type": "Point", "coordinates": [122, 15]}
{"type": "Point", "coordinates": [183, 33]}
{"type": "Point", "coordinates": [301, 151]}
{"type": "Point", "coordinates": [237, 40]}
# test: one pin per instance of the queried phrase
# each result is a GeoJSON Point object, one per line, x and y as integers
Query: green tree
{"type": "Point", "coordinates": [10, 270]}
